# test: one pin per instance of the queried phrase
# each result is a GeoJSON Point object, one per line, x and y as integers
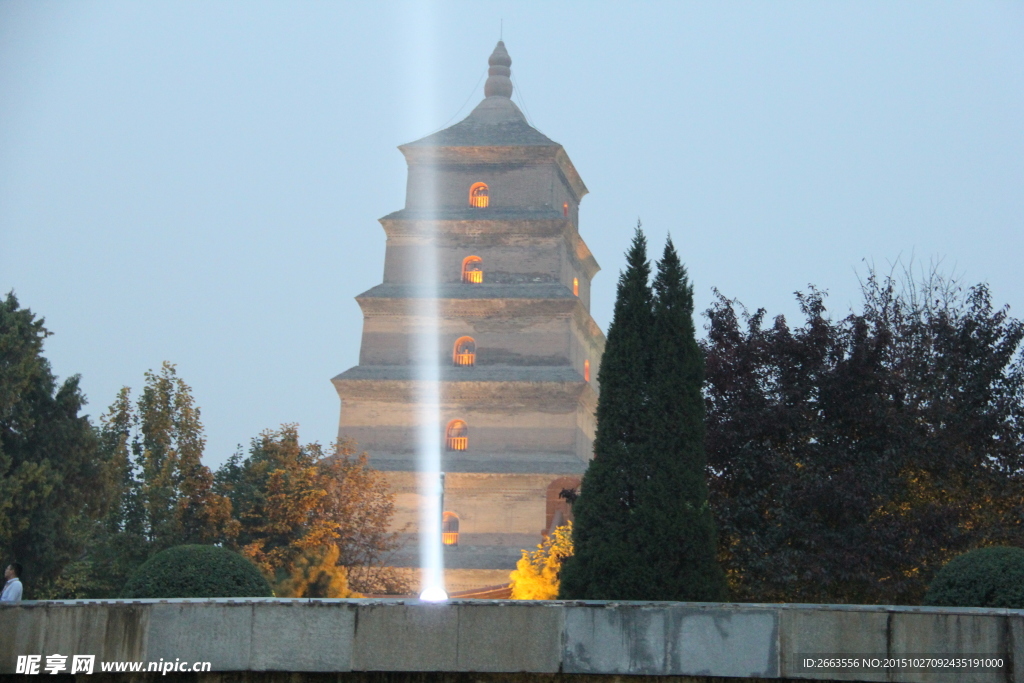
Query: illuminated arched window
{"type": "Point", "coordinates": [473, 269]}
{"type": "Point", "coordinates": [457, 436]}
{"type": "Point", "coordinates": [565, 209]}
{"type": "Point", "coordinates": [464, 352]}
{"type": "Point", "coordinates": [586, 371]}
{"type": "Point", "coordinates": [575, 286]}
{"type": "Point", "coordinates": [478, 195]}
{"type": "Point", "coordinates": [450, 529]}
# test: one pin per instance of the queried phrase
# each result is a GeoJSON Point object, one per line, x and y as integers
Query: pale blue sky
{"type": "Point", "coordinates": [200, 182]}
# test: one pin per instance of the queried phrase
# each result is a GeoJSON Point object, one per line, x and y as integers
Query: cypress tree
{"type": "Point", "coordinates": [605, 565]}
{"type": "Point", "coordinates": [675, 531]}
{"type": "Point", "coordinates": [643, 528]}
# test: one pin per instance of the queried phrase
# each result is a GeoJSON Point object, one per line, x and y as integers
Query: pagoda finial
{"type": "Point", "coordinates": [499, 82]}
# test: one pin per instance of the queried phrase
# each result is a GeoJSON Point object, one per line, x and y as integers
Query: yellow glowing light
{"type": "Point", "coordinates": [575, 286]}
{"type": "Point", "coordinates": [479, 196]}
{"type": "Point", "coordinates": [457, 436]}
{"type": "Point", "coordinates": [464, 352]}
{"type": "Point", "coordinates": [450, 529]}
{"type": "Point", "coordinates": [473, 269]}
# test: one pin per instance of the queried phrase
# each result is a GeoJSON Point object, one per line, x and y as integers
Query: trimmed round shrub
{"type": "Point", "coordinates": [987, 577]}
{"type": "Point", "coordinates": [197, 571]}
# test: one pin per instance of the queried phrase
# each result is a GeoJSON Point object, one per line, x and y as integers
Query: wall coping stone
{"type": "Point", "coordinates": [622, 638]}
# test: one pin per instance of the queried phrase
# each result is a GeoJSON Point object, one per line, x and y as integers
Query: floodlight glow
{"type": "Point", "coordinates": [434, 594]}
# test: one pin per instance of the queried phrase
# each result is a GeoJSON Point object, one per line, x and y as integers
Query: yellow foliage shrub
{"type": "Point", "coordinates": [536, 574]}
{"type": "Point", "coordinates": [316, 574]}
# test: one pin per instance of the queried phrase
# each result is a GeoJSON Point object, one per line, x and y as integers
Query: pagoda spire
{"type": "Point", "coordinates": [499, 82]}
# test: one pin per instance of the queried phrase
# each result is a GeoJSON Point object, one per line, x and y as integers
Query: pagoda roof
{"type": "Point", "coordinates": [496, 122]}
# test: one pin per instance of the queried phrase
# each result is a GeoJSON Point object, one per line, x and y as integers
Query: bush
{"type": "Point", "coordinates": [987, 577]}
{"type": "Point", "coordinates": [197, 571]}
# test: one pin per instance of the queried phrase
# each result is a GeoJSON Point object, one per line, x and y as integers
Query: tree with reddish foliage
{"type": "Point", "coordinates": [295, 501]}
{"type": "Point", "coordinates": [851, 459]}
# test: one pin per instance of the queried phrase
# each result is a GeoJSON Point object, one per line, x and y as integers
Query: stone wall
{"type": "Point", "coordinates": [580, 639]}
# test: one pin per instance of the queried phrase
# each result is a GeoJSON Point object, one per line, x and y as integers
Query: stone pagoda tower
{"type": "Point", "coordinates": [520, 348]}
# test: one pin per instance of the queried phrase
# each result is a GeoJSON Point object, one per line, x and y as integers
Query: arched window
{"type": "Point", "coordinates": [586, 371]}
{"type": "Point", "coordinates": [575, 286]}
{"type": "Point", "coordinates": [565, 209]}
{"type": "Point", "coordinates": [464, 352]}
{"type": "Point", "coordinates": [473, 269]}
{"type": "Point", "coordinates": [478, 195]}
{"type": "Point", "coordinates": [450, 529]}
{"type": "Point", "coordinates": [457, 436]}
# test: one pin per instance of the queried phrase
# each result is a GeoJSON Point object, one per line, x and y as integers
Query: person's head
{"type": "Point", "coordinates": [13, 570]}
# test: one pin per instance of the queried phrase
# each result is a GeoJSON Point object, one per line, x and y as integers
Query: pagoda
{"type": "Point", "coordinates": [519, 349]}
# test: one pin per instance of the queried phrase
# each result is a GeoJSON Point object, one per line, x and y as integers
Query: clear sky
{"type": "Point", "coordinates": [200, 182]}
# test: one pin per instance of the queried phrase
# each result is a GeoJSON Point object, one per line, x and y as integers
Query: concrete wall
{"type": "Point", "coordinates": [574, 639]}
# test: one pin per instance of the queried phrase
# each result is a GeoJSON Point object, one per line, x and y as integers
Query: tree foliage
{"type": "Point", "coordinates": [986, 577]}
{"type": "Point", "coordinates": [675, 527]}
{"type": "Point", "coordinates": [292, 500]}
{"type": "Point", "coordinates": [316, 573]}
{"type": "Point", "coordinates": [851, 459]}
{"type": "Point", "coordinates": [164, 495]}
{"type": "Point", "coordinates": [536, 576]}
{"type": "Point", "coordinates": [53, 483]}
{"type": "Point", "coordinates": [196, 571]}
{"type": "Point", "coordinates": [643, 528]}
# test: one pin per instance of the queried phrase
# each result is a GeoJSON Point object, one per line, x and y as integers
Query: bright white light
{"type": "Point", "coordinates": [434, 594]}
{"type": "Point", "coordinates": [426, 352]}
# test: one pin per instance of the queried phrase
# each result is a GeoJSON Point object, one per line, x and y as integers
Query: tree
{"type": "Point", "coordinates": [164, 495]}
{"type": "Point", "coordinates": [536, 576]}
{"type": "Point", "coordinates": [643, 527]}
{"type": "Point", "coordinates": [603, 566]}
{"type": "Point", "coordinates": [177, 497]}
{"type": "Point", "coordinates": [852, 459]}
{"type": "Point", "coordinates": [197, 571]}
{"type": "Point", "coordinates": [361, 506]}
{"type": "Point", "coordinates": [278, 495]}
{"type": "Point", "coordinates": [294, 502]}
{"type": "Point", "coordinates": [316, 574]}
{"type": "Point", "coordinates": [52, 482]}
{"type": "Point", "coordinates": [674, 527]}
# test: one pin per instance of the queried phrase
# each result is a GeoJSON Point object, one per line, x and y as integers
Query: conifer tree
{"type": "Point", "coordinates": [52, 482]}
{"type": "Point", "coordinates": [675, 530]}
{"type": "Point", "coordinates": [643, 528]}
{"type": "Point", "coordinates": [605, 565]}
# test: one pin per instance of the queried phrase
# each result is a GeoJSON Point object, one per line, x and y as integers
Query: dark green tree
{"type": "Point", "coordinates": [643, 529]}
{"type": "Point", "coordinates": [197, 571]}
{"type": "Point", "coordinates": [605, 564]}
{"type": "Point", "coordinates": [52, 482]}
{"type": "Point", "coordinates": [675, 530]}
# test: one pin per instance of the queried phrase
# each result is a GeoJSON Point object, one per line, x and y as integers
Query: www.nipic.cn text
{"type": "Point", "coordinates": [85, 664]}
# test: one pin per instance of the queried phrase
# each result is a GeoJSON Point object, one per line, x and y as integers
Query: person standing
{"type": "Point", "coordinates": [12, 589]}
